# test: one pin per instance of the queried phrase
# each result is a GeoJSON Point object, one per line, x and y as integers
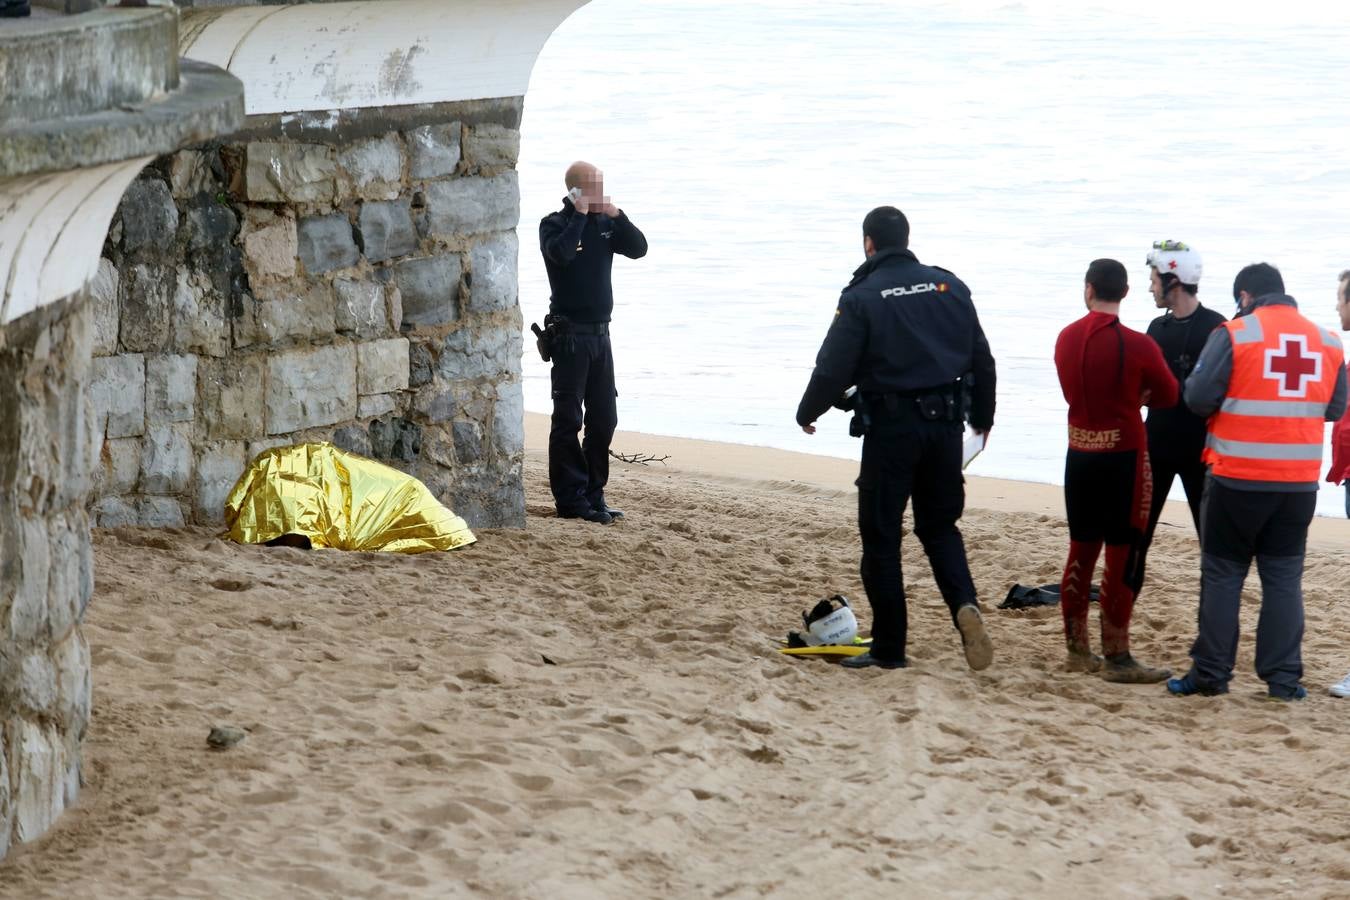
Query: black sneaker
{"type": "Point", "coordinates": [14, 9]}
{"type": "Point", "coordinates": [598, 516]}
{"type": "Point", "coordinates": [1188, 686]}
{"type": "Point", "coordinates": [867, 661]}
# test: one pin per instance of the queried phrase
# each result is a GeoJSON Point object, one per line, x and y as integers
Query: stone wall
{"type": "Point", "coordinates": [46, 564]}
{"type": "Point", "coordinates": [347, 277]}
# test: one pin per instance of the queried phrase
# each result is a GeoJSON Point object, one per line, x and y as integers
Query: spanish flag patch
{"type": "Point", "coordinates": [942, 288]}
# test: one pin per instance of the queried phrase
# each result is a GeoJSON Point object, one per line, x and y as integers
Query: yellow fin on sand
{"type": "Point", "coordinates": [827, 650]}
{"type": "Point", "coordinates": [859, 646]}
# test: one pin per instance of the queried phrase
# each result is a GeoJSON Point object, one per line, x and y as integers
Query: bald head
{"type": "Point", "coordinates": [580, 174]}
{"type": "Point", "coordinates": [590, 182]}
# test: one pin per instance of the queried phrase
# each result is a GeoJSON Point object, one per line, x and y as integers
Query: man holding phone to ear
{"type": "Point", "coordinates": [578, 243]}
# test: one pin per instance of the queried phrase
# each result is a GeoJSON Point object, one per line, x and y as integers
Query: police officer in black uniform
{"type": "Point", "coordinates": [907, 336]}
{"type": "Point", "coordinates": [579, 244]}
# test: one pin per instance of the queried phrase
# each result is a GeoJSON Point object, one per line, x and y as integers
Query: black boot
{"type": "Point", "coordinates": [598, 516]}
{"type": "Point", "coordinates": [867, 661]}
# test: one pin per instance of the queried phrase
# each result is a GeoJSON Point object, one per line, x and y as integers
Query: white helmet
{"type": "Point", "coordinates": [827, 625]}
{"type": "Point", "coordinates": [1176, 259]}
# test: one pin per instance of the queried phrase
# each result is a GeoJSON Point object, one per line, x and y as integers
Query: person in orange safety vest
{"type": "Point", "coordinates": [1268, 381]}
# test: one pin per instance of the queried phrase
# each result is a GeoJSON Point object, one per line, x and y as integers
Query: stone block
{"type": "Point", "coordinates": [435, 402]}
{"type": "Point", "coordinates": [490, 146]}
{"type": "Point", "coordinates": [65, 590]}
{"type": "Point", "coordinates": [373, 168]}
{"type": "Point", "coordinates": [281, 172]}
{"type": "Point", "coordinates": [421, 364]}
{"type": "Point", "coordinates": [281, 316]}
{"type": "Point", "coordinates": [479, 353]}
{"type": "Point", "coordinates": [493, 264]}
{"type": "Point", "coordinates": [353, 439]}
{"type": "Point", "coordinates": [222, 267]}
{"type": "Point", "coordinates": [508, 419]}
{"type": "Point", "coordinates": [362, 308]}
{"type": "Point", "coordinates": [170, 389]}
{"type": "Point", "coordinates": [268, 443]}
{"type": "Point", "coordinates": [385, 230]}
{"type": "Point", "coordinates": [232, 396]}
{"type": "Point", "coordinates": [86, 553]}
{"type": "Point", "coordinates": [39, 767]}
{"type": "Point", "coordinates": [28, 610]}
{"type": "Point", "coordinates": [395, 439]}
{"type": "Point", "coordinates": [166, 459]}
{"type": "Point", "coordinates": [191, 172]}
{"type": "Point", "coordinates": [438, 449]}
{"type": "Point", "coordinates": [149, 217]}
{"type": "Point", "coordinates": [199, 321]}
{"type": "Point", "coordinates": [378, 405]}
{"type": "Point", "coordinates": [114, 512]}
{"type": "Point", "coordinates": [326, 243]}
{"type": "Point", "coordinates": [6, 804]}
{"type": "Point", "coordinates": [507, 509]}
{"type": "Point", "coordinates": [468, 442]}
{"type": "Point", "coordinates": [159, 512]}
{"type": "Point", "coordinates": [103, 292]}
{"type": "Point", "coordinates": [472, 206]}
{"type": "Point", "coordinates": [311, 387]}
{"type": "Point", "coordinates": [434, 150]}
{"type": "Point", "coordinates": [37, 684]}
{"type": "Point", "coordinates": [393, 300]}
{"type": "Point", "coordinates": [490, 499]}
{"type": "Point", "coordinates": [117, 395]}
{"type": "Point", "coordinates": [218, 468]}
{"type": "Point", "coordinates": [271, 245]}
{"type": "Point", "coordinates": [147, 299]}
{"type": "Point", "coordinates": [209, 224]}
{"type": "Point", "coordinates": [382, 366]}
{"type": "Point", "coordinates": [73, 688]}
{"type": "Point", "coordinates": [119, 465]}
{"type": "Point", "coordinates": [430, 289]}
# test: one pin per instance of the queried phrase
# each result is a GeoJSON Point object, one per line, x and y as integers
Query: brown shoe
{"type": "Point", "coordinates": [1125, 669]}
{"type": "Point", "coordinates": [1082, 659]}
{"type": "Point", "coordinates": [974, 639]}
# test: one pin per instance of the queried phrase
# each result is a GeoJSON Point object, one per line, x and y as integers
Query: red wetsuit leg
{"type": "Point", "coordinates": [1073, 593]}
{"type": "Point", "coordinates": [1117, 600]}
{"type": "Point", "coordinates": [1122, 572]}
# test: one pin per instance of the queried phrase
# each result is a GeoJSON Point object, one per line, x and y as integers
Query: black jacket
{"type": "Point", "coordinates": [1174, 431]}
{"type": "Point", "coordinates": [579, 254]}
{"type": "Point", "coordinates": [904, 327]}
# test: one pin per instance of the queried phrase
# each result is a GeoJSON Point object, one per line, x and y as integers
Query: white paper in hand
{"type": "Point", "coordinates": [974, 444]}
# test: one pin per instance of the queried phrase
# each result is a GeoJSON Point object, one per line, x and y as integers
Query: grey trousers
{"type": "Point", "coordinates": [1236, 527]}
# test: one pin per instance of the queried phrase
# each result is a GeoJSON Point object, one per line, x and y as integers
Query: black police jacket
{"type": "Point", "coordinates": [579, 253]}
{"type": "Point", "coordinates": [902, 327]}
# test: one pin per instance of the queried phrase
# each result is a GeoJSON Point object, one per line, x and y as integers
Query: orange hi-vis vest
{"type": "Point", "coordinates": [1270, 424]}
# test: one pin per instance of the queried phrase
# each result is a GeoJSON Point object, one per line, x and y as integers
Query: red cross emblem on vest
{"type": "Point", "coordinates": [1292, 366]}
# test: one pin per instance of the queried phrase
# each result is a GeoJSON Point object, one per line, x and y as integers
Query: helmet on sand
{"type": "Point", "coordinates": [827, 624]}
{"type": "Point", "coordinates": [1176, 259]}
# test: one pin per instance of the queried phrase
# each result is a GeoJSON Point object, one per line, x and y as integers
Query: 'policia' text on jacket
{"type": "Point", "coordinates": [902, 327]}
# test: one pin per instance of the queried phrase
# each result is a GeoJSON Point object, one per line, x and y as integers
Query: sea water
{"type": "Point", "coordinates": [748, 140]}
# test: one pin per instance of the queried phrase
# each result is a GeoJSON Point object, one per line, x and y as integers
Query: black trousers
{"type": "Point", "coordinates": [583, 395]}
{"type": "Point", "coordinates": [1169, 465]}
{"type": "Point", "coordinates": [1236, 527]}
{"type": "Point", "coordinates": [906, 456]}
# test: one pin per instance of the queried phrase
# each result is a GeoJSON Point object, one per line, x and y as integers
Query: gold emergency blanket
{"type": "Point", "coordinates": [338, 500]}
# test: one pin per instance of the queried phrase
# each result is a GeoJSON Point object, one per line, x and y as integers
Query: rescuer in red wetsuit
{"type": "Point", "coordinates": [1106, 372]}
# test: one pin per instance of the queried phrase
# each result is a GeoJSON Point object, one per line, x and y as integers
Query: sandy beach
{"type": "Point", "coordinates": [576, 711]}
